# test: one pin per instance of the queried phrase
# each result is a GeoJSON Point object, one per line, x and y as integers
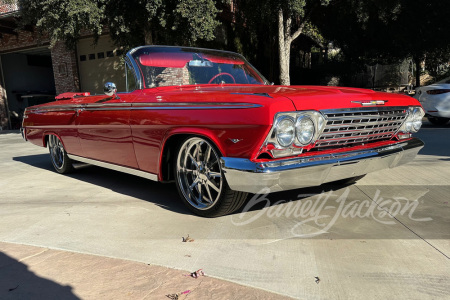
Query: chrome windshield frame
{"type": "Point", "coordinates": [141, 81]}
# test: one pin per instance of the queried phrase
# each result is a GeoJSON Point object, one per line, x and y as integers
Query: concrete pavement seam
{"type": "Point", "coordinates": [404, 224]}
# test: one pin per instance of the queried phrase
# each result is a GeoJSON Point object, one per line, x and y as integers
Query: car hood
{"type": "Point", "coordinates": [302, 97]}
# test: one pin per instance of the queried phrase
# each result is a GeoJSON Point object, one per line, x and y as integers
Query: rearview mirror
{"type": "Point", "coordinates": [200, 63]}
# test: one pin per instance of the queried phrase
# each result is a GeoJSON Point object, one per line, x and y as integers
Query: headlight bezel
{"type": "Point", "coordinates": [299, 130]}
{"type": "Point", "coordinates": [413, 120]}
{"type": "Point", "coordinates": [272, 144]}
{"type": "Point", "coordinates": [277, 130]}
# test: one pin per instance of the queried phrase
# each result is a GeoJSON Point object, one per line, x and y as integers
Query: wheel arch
{"type": "Point", "coordinates": [46, 136]}
{"type": "Point", "coordinates": [172, 141]}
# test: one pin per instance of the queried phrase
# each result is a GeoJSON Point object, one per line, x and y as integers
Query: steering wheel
{"type": "Point", "coordinates": [222, 74]}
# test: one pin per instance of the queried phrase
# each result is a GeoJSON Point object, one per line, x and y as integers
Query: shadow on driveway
{"type": "Point", "coordinates": [166, 193]}
{"type": "Point", "coordinates": [17, 282]}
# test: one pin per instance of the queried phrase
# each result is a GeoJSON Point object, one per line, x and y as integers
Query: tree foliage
{"type": "Point", "coordinates": [290, 17]}
{"type": "Point", "coordinates": [129, 22]}
{"type": "Point", "coordinates": [387, 31]}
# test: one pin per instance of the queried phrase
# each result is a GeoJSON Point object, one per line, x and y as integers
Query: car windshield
{"type": "Point", "coordinates": [168, 66]}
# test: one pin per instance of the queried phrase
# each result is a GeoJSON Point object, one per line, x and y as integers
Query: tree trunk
{"type": "Point", "coordinates": [148, 37]}
{"type": "Point", "coordinates": [417, 62]}
{"type": "Point", "coordinates": [284, 49]}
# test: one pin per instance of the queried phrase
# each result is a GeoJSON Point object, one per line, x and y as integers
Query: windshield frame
{"type": "Point", "coordinates": [134, 53]}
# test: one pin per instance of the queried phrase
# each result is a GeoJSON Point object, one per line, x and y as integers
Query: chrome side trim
{"type": "Point", "coordinates": [193, 105]}
{"type": "Point", "coordinates": [123, 169]}
{"type": "Point", "coordinates": [286, 174]}
{"type": "Point", "coordinates": [146, 106]}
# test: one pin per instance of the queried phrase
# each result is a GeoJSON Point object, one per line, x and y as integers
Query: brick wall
{"type": "Point", "coordinates": [7, 8]}
{"type": "Point", "coordinates": [172, 76]}
{"type": "Point", "coordinates": [65, 69]}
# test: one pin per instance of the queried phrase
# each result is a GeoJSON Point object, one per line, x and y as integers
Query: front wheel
{"type": "Point", "coordinates": [61, 162]}
{"type": "Point", "coordinates": [438, 121]}
{"type": "Point", "coordinates": [200, 180]}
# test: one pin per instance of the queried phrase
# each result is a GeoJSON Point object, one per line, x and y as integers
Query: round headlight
{"type": "Point", "coordinates": [417, 120]}
{"type": "Point", "coordinates": [305, 130]}
{"type": "Point", "coordinates": [285, 132]}
{"type": "Point", "coordinates": [408, 126]}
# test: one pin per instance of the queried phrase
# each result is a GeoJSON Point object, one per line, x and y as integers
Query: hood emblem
{"type": "Point", "coordinates": [371, 102]}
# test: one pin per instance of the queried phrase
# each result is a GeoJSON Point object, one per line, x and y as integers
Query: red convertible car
{"type": "Point", "coordinates": [211, 123]}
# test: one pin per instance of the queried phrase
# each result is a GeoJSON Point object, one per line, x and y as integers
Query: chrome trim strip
{"type": "Point", "coordinates": [139, 79]}
{"type": "Point", "coordinates": [123, 169]}
{"type": "Point", "coordinates": [191, 105]}
{"type": "Point", "coordinates": [293, 173]}
{"type": "Point", "coordinates": [253, 94]}
{"type": "Point", "coordinates": [146, 106]}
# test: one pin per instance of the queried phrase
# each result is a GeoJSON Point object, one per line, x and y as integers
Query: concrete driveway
{"type": "Point", "coordinates": [385, 237]}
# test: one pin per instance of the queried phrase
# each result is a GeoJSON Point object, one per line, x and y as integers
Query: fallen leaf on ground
{"type": "Point", "coordinates": [187, 239]}
{"type": "Point", "coordinates": [196, 274]}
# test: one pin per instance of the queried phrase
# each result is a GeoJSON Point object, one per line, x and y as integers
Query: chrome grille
{"type": "Point", "coordinates": [350, 127]}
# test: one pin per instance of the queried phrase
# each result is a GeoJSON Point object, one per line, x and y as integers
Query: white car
{"type": "Point", "coordinates": [435, 99]}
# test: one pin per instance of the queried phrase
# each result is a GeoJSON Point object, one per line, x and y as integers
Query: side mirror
{"type": "Point", "coordinates": [110, 89]}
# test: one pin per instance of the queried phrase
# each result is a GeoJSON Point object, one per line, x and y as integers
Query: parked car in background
{"type": "Point", "coordinates": [210, 122]}
{"type": "Point", "coordinates": [435, 99]}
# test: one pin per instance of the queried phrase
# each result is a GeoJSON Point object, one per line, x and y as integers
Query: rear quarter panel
{"type": "Point", "coordinates": [41, 120]}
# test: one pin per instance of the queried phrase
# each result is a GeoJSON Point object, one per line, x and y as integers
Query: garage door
{"type": "Point", "coordinates": [100, 63]}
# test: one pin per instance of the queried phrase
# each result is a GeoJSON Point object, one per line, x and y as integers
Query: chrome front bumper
{"type": "Point", "coordinates": [246, 176]}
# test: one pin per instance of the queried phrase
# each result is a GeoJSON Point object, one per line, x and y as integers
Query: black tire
{"type": "Point", "coordinates": [201, 182]}
{"type": "Point", "coordinates": [58, 155]}
{"type": "Point", "coordinates": [438, 121]}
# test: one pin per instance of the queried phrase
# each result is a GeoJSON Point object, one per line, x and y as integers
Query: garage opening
{"type": "Point", "coordinates": [28, 80]}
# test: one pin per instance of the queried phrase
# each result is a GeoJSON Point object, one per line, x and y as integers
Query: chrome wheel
{"type": "Point", "coordinates": [199, 175]}
{"type": "Point", "coordinates": [56, 149]}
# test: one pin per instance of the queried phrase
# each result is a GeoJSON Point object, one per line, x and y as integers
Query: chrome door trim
{"type": "Point", "coordinates": [145, 106]}
{"type": "Point", "coordinates": [114, 167]}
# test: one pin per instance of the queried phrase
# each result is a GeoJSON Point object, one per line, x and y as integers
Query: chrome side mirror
{"type": "Point", "coordinates": [110, 89]}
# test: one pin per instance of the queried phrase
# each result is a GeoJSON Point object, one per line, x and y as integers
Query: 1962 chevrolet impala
{"type": "Point", "coordinates": [210, 122]}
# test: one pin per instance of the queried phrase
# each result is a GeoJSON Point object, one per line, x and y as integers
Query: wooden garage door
{"type": "Point", "coordinates": [98, 64]}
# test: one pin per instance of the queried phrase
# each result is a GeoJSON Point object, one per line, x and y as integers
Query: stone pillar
{"type": "Point", "coordinates": [4, 121]}
{"type": "Point", "coordinates": [65, 69]}
{"type": "Point", "coordinates": [4, 115]}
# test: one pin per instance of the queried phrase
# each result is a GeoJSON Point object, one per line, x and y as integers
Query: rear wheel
{"type": "Point", "coordinates": [200, 180]}
{"type": "Point", "coordinates": [61, 162]}
{"type": "Point", "coordinates": [438, 121]}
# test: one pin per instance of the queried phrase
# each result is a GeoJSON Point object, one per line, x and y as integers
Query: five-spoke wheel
{"type": "Point", "coordinates": [200, 179]}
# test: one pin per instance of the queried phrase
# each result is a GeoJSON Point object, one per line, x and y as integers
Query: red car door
{"type": "Point", "coordinates": [104, 129]}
